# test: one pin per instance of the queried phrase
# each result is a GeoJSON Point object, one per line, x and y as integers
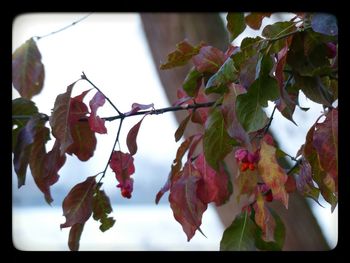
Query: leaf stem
{"type": "Point", "coordinates": [298, 162]}
{"type": "Point", "coordinates": [63, 28]}
{"type": "Point", "coordinates": [83, 76]}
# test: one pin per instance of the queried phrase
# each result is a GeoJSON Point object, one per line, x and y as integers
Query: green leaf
{"type": "Point", "coordinates": [235, 24]}
{"type": "Point", "coordinates": [101, 207]}
{"type": "Point", "coordinates": [180, 130]}
{"type": "Point", "coordinates": [27, 69]}
{"type": "Point", "coordinates": [192, 82]}
{"type": "Point", "coordinates": [324, 24]}
{"type": "Point", "coordinates": [249, 105]}
{"type": "Point", "coordinates": [239, 236]}
{"type": "Point", "coordinates": [279, 235]}
{"type": "Point", "coordinates": [226, 74]}
{"type": "Point", "coordinates": [21, 107]}
{"type": "Point", "coordinates": [314, 89]}
{"type": "Point", "coordinates": [183, 53]}
{"type": "Point", "coordinates": [278, 29]}
{"type": "Point", "coordinates": [216, 142]}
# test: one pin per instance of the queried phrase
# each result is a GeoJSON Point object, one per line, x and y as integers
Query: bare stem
{"type": "Point", "coordinates": [115, 143]}
{"type": "Point", "coordinates": [110, 102]}
{"type": "Point", "coordinates": [63, 28]}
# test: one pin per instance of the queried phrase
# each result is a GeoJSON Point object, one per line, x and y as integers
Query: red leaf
{"type": "Point", "coordinates": [135, 107]}
{"type": "Point", "coordinates": [74, 236]}
{"type": "Point", "coordinates": [325, 141]}
{"type": "Point", "coordinates": [84, 141]}
{"type": "Point", "coordinates": [78, 108]}
{"type": "Point", "coordinates": [254, 20]}
{"type": "Point", "coordinates": [77, 205]}
{"type": "Point", "coordinates": [183, 53]}
{"type": "Point", "coordinates": [96, 123]}
{"type": "Point", "coordinates": [213, 186]}
{"type": "Point", "coordinates": [27, 70]}
{"type": "Point", "coordinates": [272, 174]}
{"type": "Point", "coordinates": [187, 207]}
{"type": "Point", "coordinates": [180, 130]}
{"type": "Point", "coordinates": [131, 138]}
{"type": "Point", "coordinates": [60, 119]}
{"type": "Point", "coordinates": [122, 165]}
{"type": "Point", "coordinates": [209, 59]}
{"type": "Point", "coordinates": [176, 166]}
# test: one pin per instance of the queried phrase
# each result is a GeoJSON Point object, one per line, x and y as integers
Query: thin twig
{"type": "Point", "coordinates": [298, 162]}
{"type": "Point", "coordinates": [115, 143]}
{"type": "Point", "coordinates": [270, 121]}
{"type": "Point", "coordinates": [63, 28]}
{"type": "Point", "coordinates": [110, 102]}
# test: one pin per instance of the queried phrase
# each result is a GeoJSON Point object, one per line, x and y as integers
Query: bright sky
{"type": "Point", "coordinates": [111, 50]}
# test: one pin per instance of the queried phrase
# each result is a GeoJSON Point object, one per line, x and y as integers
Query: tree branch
{"type": "Point", "coordinates": [64, 28]}
{"type": "Point", "coordinates": [110, 102]}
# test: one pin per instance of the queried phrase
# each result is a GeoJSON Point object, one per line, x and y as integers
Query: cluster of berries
{"type": "Point", "coordinates": [246, 159]}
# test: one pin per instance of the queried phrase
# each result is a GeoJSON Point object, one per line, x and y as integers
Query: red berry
{"type": "Point", "coordinates": [268, 196]}
{"type": "Point", "coordinates": [244, 166]}
{"type": "Point", "coordinates": [126, 193]}
{"type": "Point", "coordinates": [251, 167]}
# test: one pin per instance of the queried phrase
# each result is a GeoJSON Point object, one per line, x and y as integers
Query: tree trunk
{"type": "Point", "coordinates": [163, 32]}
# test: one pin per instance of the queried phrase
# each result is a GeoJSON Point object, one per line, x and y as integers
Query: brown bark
{"type": "Point", "coordinates": [163, 32]}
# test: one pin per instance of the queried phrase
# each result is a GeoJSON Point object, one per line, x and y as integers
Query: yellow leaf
{"type": "Point", "coordinates": [272, 174]}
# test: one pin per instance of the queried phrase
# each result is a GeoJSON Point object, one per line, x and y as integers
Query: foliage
{"type": "Point", "coordinates": [290, 57]}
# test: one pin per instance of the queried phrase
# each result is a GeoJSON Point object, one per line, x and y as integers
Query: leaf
{"type": "Point", "coordinates": [263, 218]}
{"type": "Point", "coordinates": [77, 205]}
{"type": "Point", "coordinates": [318, 175]}
{"type": "Point", "coordinates": [278, 29]}
{"type": "Point", "coordinates": [26, 139]}
{"type": "Point", "coordinates": [216, 142]}
{"type": "Point", "coordinates": [304, 182]}
{"type": "Point", "coordinates": [249, 105]}
{"type": "Point", "coordinates": [122, 165]}
{"type": "Point", "coordinates": [232, 125]}
{"type": "Point", "coordinates": [246, 183]}
{"type": "Point", "coordinates": [187, 207]}
{"type": "Point", "coordinates": [192, 82]}
{"type": "Point", "coordinates": [27, 70]}
{"type": "Point", "coordinates": [325, 141]}
{"type": "Point", "coordinates": [180, 130]}
{"type": "Point", "coordinates": [272, 174]}
{"type": "Point", "coordinates": [84, 141]}
{"type": "Point", "coordinates": [183, 53]}
{"type": "Point", "coordinates": [21, 107]}
{"type": "Point", "coordinates": [131, 137]}
{"type": "Point", "coordinates": [213, 186]}
{"type": "Point", "coordinates": [101, 207]}
{"type": "Point", "coordinates": [208, 60]}
{"type": "Point", "coordinates": [44, 175]}
{"type": "Point", "coordinates": [74, 236]}
{"type": "Point", "coordinates": [96, 123]}
{"type": "Point", "coordinates": [235, 24]}
{"type": "Point", "coordinates": [59, 119]}
{"type": "Point", "coordinates": [325, 24]}
{"type": "Point", "coordinates": [136, 107]}
{"type": "Point", "coordinates": [226, 74]}
{"type": "Point", "coordinates": [314, 89]}
{"type": "Point", "coordinates": [279, 235]}
{"type": "Point", "coordinates": [253, 20]}
{"type": "Point", "coordinates": [175, 167]}
{"type": "Point", "coordinates": [239, 236]}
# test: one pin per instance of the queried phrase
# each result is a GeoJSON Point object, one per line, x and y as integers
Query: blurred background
{"type": "Point", "coordinates": [113, 52]}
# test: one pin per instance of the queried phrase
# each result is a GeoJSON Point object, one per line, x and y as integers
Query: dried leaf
{"type": "Point", "coordinates": [101, 207]}
{"type": "Point", "coordinates": [74, 236]}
